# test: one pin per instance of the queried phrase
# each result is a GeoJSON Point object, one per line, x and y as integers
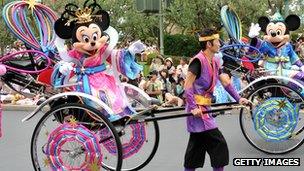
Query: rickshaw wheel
{"type": "Point", "coordinates": [73, 143]}
{"type": "Point", "coordinates": [275, 121]}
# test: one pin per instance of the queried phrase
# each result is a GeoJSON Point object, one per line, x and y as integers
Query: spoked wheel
{"type": "Point", "coordinates": [275, 122]}
{"type": "Point", "coordinates": [139, 145]}
{"type": "Point", "coordinates": [139, 140]}
{"type": "Point", "coordinates": [67, 138]}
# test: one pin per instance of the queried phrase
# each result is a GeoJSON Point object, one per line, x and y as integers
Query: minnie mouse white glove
{"type": "Point", "coordinates": [254, 30]}
{"type": "Point", "coordinates": [136, 47]}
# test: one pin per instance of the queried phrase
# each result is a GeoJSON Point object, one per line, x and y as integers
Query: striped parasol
{"type": "Point", "coordinates": [275, 119]}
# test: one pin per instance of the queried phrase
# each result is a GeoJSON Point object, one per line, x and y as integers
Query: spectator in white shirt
{"type": "Point", "coordinates": [182, 68]}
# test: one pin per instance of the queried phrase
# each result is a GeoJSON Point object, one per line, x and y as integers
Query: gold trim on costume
{"type": "Point", "coordinates": [206, 38]}
{"type": "Point", "coordinates": [202, 100]}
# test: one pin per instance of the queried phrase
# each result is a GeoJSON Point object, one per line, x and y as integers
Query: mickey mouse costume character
{"type": "Point", "coordinates": [94, 62]}
{"type": "Point", "coordinates": [280, 57]}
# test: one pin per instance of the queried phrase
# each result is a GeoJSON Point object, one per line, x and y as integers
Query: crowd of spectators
{"type": "Point", "coordinates": [165, 82]}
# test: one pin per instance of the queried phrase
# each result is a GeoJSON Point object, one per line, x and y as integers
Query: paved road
{"type": "Point", "coordinates": [15, 145]}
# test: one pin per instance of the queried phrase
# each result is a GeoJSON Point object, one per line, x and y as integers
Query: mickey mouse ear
{"type": "Point", "coordinates": [263, 22]}
{"type": "Point", "coordinates": [293, 22]}
{"type": "Point", "coordinates": [63, 30]}
{"type": "Point", "coordinates": [103, 19]}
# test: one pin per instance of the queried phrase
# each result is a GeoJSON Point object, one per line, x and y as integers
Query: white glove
{"type": "Point", "coordinates": [302, 68]}
{"type": "Point", "coordinates": [136, 47]}
{"type": "Point", "coordinates": [254, 30]}
{"type": "Point", "coordinates": [295, 67]}
{"type": "Point", "coordinates": [65, 67]}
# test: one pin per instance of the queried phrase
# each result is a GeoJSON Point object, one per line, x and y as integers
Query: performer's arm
{"type": "Point", "coordinates": [189, 92]}
{"type": "Point", "coordinates": [226, 82]}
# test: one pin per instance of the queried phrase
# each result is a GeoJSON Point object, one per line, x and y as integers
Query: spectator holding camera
{"type": "Point", "coordinates": [153, 86]}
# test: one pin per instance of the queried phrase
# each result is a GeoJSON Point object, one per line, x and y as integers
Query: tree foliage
{"type": "Point", "coordinates": [6, 38]}
{"type": "Point", "coordinates": [187, 45]}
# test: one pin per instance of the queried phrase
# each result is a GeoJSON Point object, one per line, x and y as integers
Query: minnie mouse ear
{"type": "Point", "coordinates": [103, 19]}
{"type": "Point", "coordinates": [63, 30]}
{"type": "Point", "coordinates": [293, 22]}
{"type": "Point", "coordinates": [263, 22]}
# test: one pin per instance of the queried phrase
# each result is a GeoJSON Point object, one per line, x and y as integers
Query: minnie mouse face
{"type": "Point", "coordinates": [85, 27]}
{"type": "Point", "coordinates": [277, 31]}
{"type": "Point", "coordinates": [88, 38]}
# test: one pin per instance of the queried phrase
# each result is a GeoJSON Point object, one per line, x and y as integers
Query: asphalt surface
{"type": "Point", "coordinates": [15, 145]}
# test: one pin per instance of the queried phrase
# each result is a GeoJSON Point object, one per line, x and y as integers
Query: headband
{"type": "Point", "coordinates": [206, 38]}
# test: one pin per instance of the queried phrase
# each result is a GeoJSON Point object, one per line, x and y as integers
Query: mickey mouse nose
{"type": "Point", "coordinates": [273, 34]}
{"type": "Point", "coordinates": [93, 43]}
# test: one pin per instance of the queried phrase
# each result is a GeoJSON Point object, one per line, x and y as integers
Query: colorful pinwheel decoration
{"type": "Point", "coordinates": [275, 119]}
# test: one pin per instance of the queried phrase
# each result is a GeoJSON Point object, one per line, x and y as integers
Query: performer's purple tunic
{"type": "Point", "coordinates": [203, 85]}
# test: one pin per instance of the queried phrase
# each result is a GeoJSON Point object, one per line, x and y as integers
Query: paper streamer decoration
{"type": "Point", "coordinates": [129, 146]}
{"type": "Point", "coordinates": [275, 119]}
{"type": "Point", "coordinates": [32, 23]}
{"type": "Point", "coordinates": [231, 23]}
{"type": "Point", "coordinates": [64, 137]}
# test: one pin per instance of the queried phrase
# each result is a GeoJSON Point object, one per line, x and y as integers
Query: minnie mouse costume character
{"type": "Point", "coordinates": [280, 57]}
{"type": "Point", "coordinates": [95, 63]}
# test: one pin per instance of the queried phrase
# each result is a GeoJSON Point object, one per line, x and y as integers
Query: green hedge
{"type": "Point", "coordinates": [181, 45]}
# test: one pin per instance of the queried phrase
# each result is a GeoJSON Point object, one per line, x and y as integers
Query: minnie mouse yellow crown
{"type": "Point", "coordinates": [83, 16]}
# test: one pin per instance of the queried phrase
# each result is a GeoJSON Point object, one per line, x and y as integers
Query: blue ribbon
{"type": "Point", "coordinates": [83, 75]}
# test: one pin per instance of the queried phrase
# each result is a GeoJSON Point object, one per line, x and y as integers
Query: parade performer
{"type": "Point", "coordinates": [203, 73]}
{"type": "Point", "coordinates": [280, 57]}
{"type": "Point", "coordinates": [95, 63]}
